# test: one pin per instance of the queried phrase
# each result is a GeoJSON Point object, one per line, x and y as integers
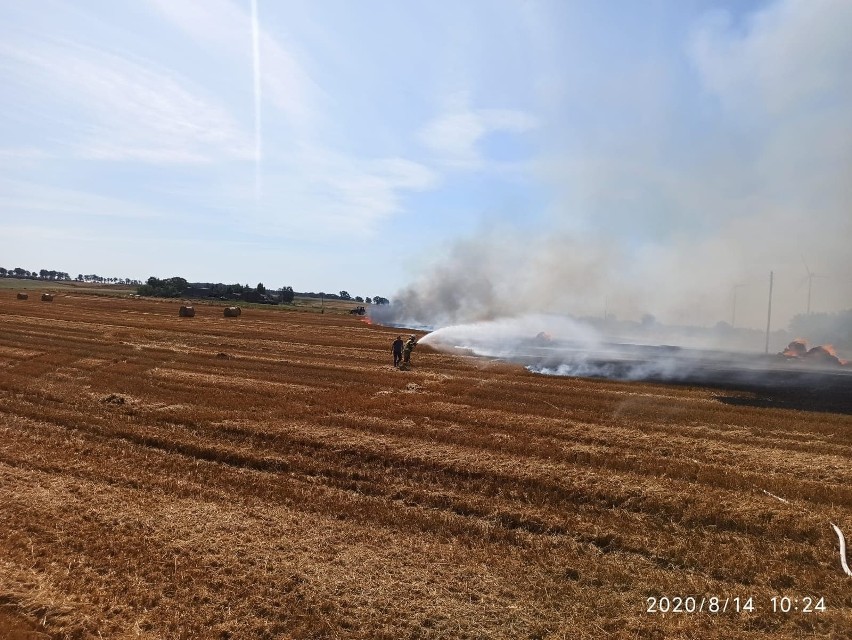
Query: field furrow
{"type": "Point", "coordinates": [273, 476]}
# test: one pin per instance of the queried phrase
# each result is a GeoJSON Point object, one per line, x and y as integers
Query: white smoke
{"type": "Point", "coordinates": [557, 345]}
{"type": "Point", "coordinates": [664, 224]}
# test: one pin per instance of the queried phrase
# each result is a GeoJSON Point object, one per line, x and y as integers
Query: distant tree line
{"type": "Point", "coordinates": [96, 278]}
{"type": "Point", "coordinates": [343, 295]}
{"type": "Point", "coordinates": [167, 288]}
{"type": "Point", "coordinates": [177, 287]}
{"type": "Point", "coordinates": [54, 275]}
{"type": "Point", "coordinates": [42, 274]}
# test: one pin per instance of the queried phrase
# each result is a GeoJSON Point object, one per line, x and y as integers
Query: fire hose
{"type": "Point", "coordinates": [837, 530]}
{"type": "Point", "coordinates": [842, 549]}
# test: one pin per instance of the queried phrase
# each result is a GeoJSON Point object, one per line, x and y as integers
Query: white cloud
{"type": "Point", "coordinates": [19, 199]}
{"type": "Point", "coordinates": [17, 158]}
{"type": "Point", "coordinates": [134, 110]}
{"type": "Point", "coordinates": [454, 135]}
{"type": "Point", "coordinates": [334, 194]}
{"type": "Point", "coordinates": [225, 26]}
{"type": "Point", "coordinates": [307, 182]}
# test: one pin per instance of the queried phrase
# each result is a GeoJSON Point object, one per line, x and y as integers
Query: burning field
{"type": "Point", "coordinates": [273, 476]}
{"type": "Point", "coordinates": [799, 377]}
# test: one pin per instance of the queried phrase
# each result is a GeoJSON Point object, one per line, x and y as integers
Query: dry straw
{"type": "Point", "coordinates": [304, 489]}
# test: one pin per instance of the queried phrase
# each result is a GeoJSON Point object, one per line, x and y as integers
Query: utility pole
{"type": "Point", "coordinates": [769, 312]}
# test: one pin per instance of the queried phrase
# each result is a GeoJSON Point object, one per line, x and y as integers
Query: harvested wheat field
{"type": "Point", "coordinates": [167, 477]}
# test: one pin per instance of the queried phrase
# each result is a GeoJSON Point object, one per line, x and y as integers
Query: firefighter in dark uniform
{"type": "Point", "coordinates": [397, 351]}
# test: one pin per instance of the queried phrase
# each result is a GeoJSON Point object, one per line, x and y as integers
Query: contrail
{"type": "Point", "coordinates": [255, 37]}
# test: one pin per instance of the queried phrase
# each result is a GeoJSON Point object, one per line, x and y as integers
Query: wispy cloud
{"type": "Point", "coordinates": [21, 199]}
{"type": "Point", "coordinates": [223, 26]}
{"type": "Point", "coordinates": [324, 194]}
{"type": "Point", "coordinates": [18, 158]}
{"type": "Point", "coordinates": [134, 110]}
{"type": "Point", "coordinates": [454, 136]}
{"type": "Point", "coordinates": [308, 182]}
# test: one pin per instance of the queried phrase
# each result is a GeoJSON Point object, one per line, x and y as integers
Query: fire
{"type": "Point", "coordinates": [826, 353]}
{"type": "Point", "coordinates": [544, 337]}
{"type": "Point", "coordinates": [366, 319]}
{"type": "Point", "coordinates": [830, 350]}
{"type": "Point", "coordinates": [796, 349]}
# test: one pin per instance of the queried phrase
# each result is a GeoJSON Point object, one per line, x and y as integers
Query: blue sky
{"type": "Point", "coordinates": [664, 134]}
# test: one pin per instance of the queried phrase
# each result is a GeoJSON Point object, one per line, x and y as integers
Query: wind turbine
{"type": "Point", "coordinates": [810, 278]}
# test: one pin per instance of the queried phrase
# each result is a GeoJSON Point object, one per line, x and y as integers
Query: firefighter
{"type": "Point", "coordinates": [407, 348]}
{"type": "Point", "coordinates": [397, 351]}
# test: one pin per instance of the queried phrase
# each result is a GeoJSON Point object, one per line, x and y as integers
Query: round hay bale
{"type": "Point", "coordinates": [47, 297]}
{"type": "Point", "coordinates": [232, 312]}
{"type": "Point", "coordinates": [23, 296]}
{"type": "Point", "coordinates": [186, 312]}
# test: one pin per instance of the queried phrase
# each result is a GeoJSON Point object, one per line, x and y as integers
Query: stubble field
{"type": "Point", "coordinates": [273, 476]}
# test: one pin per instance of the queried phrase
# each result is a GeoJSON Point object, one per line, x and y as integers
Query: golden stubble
{"type": "Point", "coordinates": [273, 476]}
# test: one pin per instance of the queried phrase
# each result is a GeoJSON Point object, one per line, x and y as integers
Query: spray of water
{"type": "Point", "coordinates": [511, 337]}
{"type": "Point", "coordinates": [255, 37]}
{"type": "Point", "coordinates": [553, 344]}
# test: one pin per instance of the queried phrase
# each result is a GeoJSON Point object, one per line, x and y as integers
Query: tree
{"type": "Point", "coordinates": [368, 300]}
{"type": "Point", "coordinates": [359, 299]}
{"type": "Point", "coordinates": [260, 288]}
{"type": "Point", "coordinates": [287, 295]}
{"type": "Point", "coordinates": [43, 273]}
{"type": "Point", "coordinates": [3, 272]}
{"type": "Point", "coordinates": [380, 300]}
{"type": "Point", "coordinates": [169, 288]}
{"type": "Point", "coordinates": [344, 295]}
{"type": "Point", "coordinates": [19, 272]}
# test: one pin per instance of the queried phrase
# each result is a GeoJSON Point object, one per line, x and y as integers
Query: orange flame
{"type": "Point", "coordinates": [830, 349]}
{"type": "Point", "coordinates": [366, 319]}
{"type": "Point", "coordinates": [798, 349]}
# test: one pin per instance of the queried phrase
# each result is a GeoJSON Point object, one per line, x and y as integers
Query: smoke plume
{"type": "Point", "coordinates": [681, 225]}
